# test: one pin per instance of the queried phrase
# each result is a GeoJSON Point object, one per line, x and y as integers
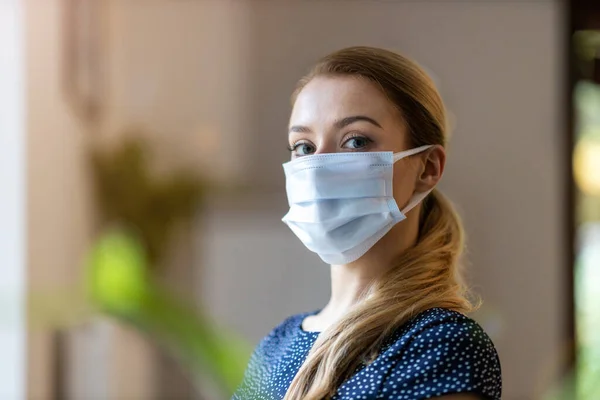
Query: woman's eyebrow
{"type": "Point", "coordinates": [300, 129]}
{"type": "Point", "coordinates": [350, 120]}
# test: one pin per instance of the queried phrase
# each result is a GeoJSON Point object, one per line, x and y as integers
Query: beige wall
{"type": "Point", "coordinates": [58, 209]}
{"type": "Point", "coordinates": [499, 69]}
{"type": "Point", "coordinates": [178, 70]}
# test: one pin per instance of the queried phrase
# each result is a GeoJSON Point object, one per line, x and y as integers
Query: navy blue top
{"type": "Point", "coordinates": [438, 352]}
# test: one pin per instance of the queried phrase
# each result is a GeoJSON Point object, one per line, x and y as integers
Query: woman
{"type": "Point", "coordinates": [367, 136]}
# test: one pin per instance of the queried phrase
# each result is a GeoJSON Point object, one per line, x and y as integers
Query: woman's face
{"type": "Point", "coordinates": [346, 113]}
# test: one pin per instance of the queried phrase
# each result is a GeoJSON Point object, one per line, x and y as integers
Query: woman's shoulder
{"type": "Point", "coordinates": [289, 326]}
{"type": "Point", "coordinates": [440, 327]}
{"type": "Point", "coordinates": [266, 354]}
{"type": "Point", "coordinates": [444, 320]}
{"type": "Point", "coordinates": [443, 351]}
{"type": "Point", "coordinates": [284, 333]}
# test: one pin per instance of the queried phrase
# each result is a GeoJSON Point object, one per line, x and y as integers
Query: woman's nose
{"type": "Point", "coordinates": [327, 146]}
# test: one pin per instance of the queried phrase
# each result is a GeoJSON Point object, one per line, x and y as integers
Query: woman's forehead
{"type": "Point", "coordinates": [335, 97]}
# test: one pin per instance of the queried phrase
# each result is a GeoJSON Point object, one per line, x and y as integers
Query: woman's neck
{"type": "Point", "coordinates": [350, 282]}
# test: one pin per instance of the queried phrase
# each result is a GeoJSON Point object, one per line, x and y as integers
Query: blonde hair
{"type": "Point", "coordinates": [425, 276]}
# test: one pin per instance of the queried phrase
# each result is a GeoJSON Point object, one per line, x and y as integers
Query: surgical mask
{"type": "Point", "coordinates": [341, 204]}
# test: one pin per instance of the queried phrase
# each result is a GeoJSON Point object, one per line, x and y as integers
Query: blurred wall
{"type": "Point", "coordinates": [499, 67]}
{"type": "Point", "coordinates": [178, 73]}
{"type": "Point", "coordinates": [59, 216]}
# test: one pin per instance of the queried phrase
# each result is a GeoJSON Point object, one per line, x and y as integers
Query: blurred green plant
{"type": "Point", "coordinates": [119, 286]}
{"type": "Point", "coordinates": [128, 193]}
{"type": "Point", "coordinates": [587, 296]}
{"type": "Point", "coordinates": [121, 280]}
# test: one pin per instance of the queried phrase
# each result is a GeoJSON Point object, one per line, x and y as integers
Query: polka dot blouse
{"type": "Point", "coordinates": [436, 353]}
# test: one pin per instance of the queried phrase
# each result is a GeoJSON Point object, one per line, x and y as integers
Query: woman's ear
{"type": "Point", "coordinates": [432, 166]}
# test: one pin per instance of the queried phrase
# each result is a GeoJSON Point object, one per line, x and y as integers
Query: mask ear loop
{"type": "Point", "coordinates": [407, 153]}
{"type": "Point", "coordinates": [418, 197]}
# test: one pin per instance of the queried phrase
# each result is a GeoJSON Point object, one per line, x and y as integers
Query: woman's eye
{"type": "Point", "coordinates": [356, 143]}
{"type": "Point", "coordinates": [303, 149]}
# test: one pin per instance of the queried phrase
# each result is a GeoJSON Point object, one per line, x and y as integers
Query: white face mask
{"type": "Point", "coordinates": [341, 204]}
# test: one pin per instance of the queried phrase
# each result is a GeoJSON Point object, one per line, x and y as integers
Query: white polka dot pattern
{"type": "Point", "coordinates": [436, 353]}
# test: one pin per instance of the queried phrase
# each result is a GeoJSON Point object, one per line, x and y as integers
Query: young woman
{"type": "Point", "coordinates": [367, 136]}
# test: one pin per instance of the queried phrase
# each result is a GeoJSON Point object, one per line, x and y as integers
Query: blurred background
{"type": "Point", "coordinates": [141, 188]}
